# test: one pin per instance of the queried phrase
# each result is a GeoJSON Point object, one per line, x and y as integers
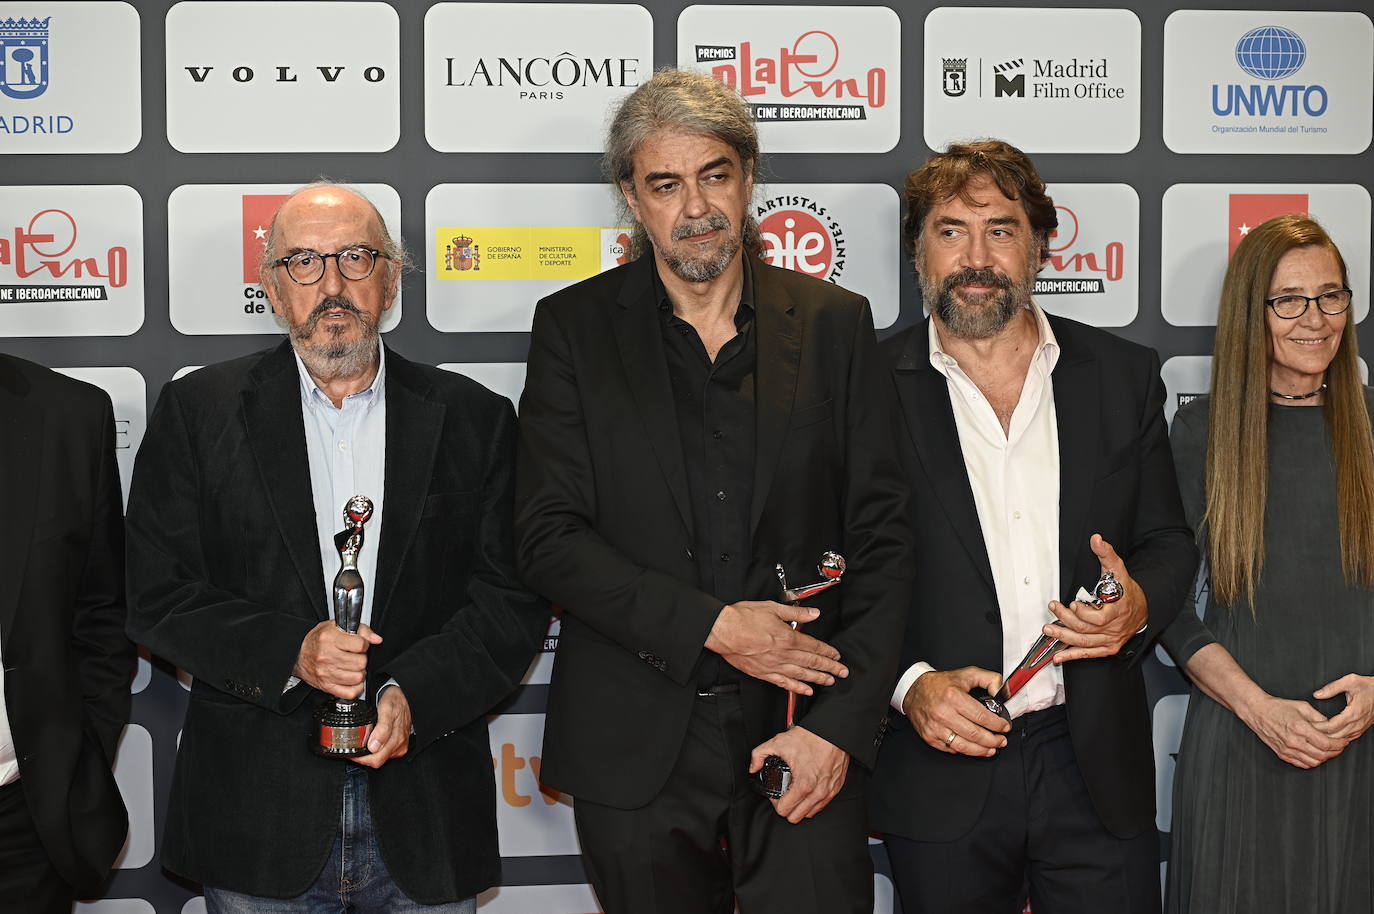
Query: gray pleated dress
{"type": "Point", "coordinates": [1252, 833]}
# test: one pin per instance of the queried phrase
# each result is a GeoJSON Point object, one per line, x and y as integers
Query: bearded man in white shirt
{"type": "Point", "coordinates": [1038, 458]}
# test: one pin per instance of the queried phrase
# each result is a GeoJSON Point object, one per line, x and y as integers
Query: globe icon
{"type": "Point", "coordinates": [1271, 52]}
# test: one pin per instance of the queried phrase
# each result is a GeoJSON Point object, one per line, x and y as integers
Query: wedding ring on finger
{"type": "Point", "coordinates": [949, 740]}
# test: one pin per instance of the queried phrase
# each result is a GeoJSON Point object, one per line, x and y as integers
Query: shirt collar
{"type": "Point", "coordinates": [311, 393]}
{"type": "Point", "coordinates": [1046, 350]}
{"type": "Point", "coordinates": [743, 314]}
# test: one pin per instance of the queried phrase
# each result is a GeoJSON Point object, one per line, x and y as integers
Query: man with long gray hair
{"type": "Point", "coordinates": [235, 541]}
{"type": "Point", "coordinates": [692, 423]}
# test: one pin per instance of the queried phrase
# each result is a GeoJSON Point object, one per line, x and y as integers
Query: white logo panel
{"type": "Point", "coordinates": [71, 260]}
{"type": "Point", "coordinates": [69, 77]}
{"type": "Point", "coordinates": [1202, 224]}
{"type": "Point", "coordinates": [538, 899]}
{"type": "Point", "coordinates": [494, 250]}
{"type": "Point", "coordinates": [250, 76]}
{"type": "Point", "coordinates": [505, 378]}
{"type": "Point", "coordinates": [1268, 82]}
{"type": "Point", "coordinates": [817, 78]}
{"type": "Point", "coordinates": [129, 395]}
{"type": "Point", "coordinates": [1167, 723]}
{"type": "Point", "coordinates": [547, 85]}
{"type": "Point", "coordinates": [133, 771]}
{"type": "Point", "coordinates": [1092, 274]}
{"type": "Point", "coordinates": [220, 294]}
{"type": "Point", "coordinates": [114, 906]}
{"type": "Point", "coordinates": [841, 233]}
{"type": "Point", "coordinates": [532, 820]}
{"type": "Point", "coordinates": [1045, 80]}
{"type": "Point", "coordinates": [1186, 377]}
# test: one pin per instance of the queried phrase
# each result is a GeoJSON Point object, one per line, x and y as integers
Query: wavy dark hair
{"type": "Point", "coordinates": [947, 174]}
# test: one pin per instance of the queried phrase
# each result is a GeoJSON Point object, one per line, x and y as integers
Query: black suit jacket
{"type": "Point", "coordinates": [1116, 477]}
{"type": "Point", "coordinates": [604, 522]}
{"type": "Point", "coordinates": [225, 581]}
{"type": "Point", "coordinates": [67, 663]}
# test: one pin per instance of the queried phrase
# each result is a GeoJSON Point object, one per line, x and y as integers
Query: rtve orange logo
{"type": "Point", "coordinates": [508, 767]}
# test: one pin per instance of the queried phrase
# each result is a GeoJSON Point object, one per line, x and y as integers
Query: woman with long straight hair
{"type": "Point", "coordinates": [1274, 787]}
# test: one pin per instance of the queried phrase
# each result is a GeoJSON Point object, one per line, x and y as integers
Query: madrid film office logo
{"type": "Point", "coordinates": [24, 57]}
{"type": "Point", "coordinates": [1270, 53]}
{"type": "Point", "coordinates": [1009, 79]}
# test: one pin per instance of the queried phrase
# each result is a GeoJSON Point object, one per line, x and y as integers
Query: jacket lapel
{"type": "Point", "coordinates": [271, 408]}
{"type": "Point", "coordinates": [21, 455]}
{"type": "Point", "coordinates": [1076, 407]}
{"type": "Point", "coordinates": [924, 395]}
{"type": "Point", "coordinates": [639, 337]}
{"type": "Point", "coordinates": [779, 337]}
{"type": "Point", "coordinates": [414, 425]}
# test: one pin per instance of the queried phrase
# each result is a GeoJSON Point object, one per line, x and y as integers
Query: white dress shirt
{"type": "Point", "coordinates": [1014, 476]}
{"type": "Point", "coordinates": [346, 446]}
{"type": "Point", "coordinates": [9, 760]}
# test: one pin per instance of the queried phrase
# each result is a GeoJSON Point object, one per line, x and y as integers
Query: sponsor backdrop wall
{"type": "Point", "coordinates": [145, 146]}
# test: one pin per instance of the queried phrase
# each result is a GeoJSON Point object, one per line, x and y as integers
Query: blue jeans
{"type": "Point", "coordinates": [354, 880]}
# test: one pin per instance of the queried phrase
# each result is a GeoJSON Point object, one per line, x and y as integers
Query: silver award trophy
{"type": "Point", "coordinates": [343, 725]}
{"type": "Point", "coordinates": [773, 779]}
{"type": "Point", "coordinates": [1108, 590]}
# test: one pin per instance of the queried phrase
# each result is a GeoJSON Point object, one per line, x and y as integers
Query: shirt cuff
{"type": "Point", "coordinates": [913, 673]}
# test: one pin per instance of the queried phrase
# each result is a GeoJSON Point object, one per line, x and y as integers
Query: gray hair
{"type": "Point", "coordinates": [395, 250]}
{"type": "Point", "coordinates": [692, 103]}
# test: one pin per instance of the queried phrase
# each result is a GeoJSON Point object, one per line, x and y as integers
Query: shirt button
{"type": "Point", "coordinates": [1025, 580]}
{"type": "Point", "coordinates": [343, 445]}
{"type": "Point", "coordinates": [1016, 515]}
{"type": "Point", "coordinates": [717, 434]}
{"type": "Point", "coordinates": [725, 557]}
{"type": "Point", "coordinates": [720, 495]}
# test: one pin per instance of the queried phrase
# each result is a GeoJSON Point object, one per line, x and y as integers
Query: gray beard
{"type": "Point", "coordinates": [990, 316]}
{"type": "Point", "coordinates": [334, 359]}
{"type": "Point", "coordinates": [700, 268]}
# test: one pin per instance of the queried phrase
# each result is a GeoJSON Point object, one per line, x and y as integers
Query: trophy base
{"type": "Point", "coordinates": [992, 704]}
{"type": "Point", "coordinates": [342, 728]}
{"type": "Point", "coordinates": [773, 779]}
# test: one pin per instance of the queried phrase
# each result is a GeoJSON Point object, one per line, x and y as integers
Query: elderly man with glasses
{"type": "Point", "coordinates": [237, 536]}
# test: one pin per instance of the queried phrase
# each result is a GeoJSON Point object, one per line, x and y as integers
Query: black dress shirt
{"type": "Point", "coordinates": [714, 402]}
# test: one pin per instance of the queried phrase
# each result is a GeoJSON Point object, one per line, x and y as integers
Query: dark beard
{"type": "Point", "coordinates": [700, 267]}
{"type": "Point", "coordinates": [988, 314]}
{"type": "Point", "coordinates": [335, 358]}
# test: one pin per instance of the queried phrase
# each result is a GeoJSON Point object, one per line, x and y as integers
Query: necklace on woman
{"type": "Point", "coordinates": [1275, 393]}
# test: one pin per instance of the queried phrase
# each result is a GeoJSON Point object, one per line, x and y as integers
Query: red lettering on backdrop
{"type": "Point", "coordinates": [814, 55]}
{"type": "Point", "coordinates": [51, 235]}
{"type": "Point", "coordinates": [1112, 263]}
{"type": "Point", "coordinates": [258, 210]}
{"type": "Point", "coordinates": [795, 240]}
{"type": "Point", "coordinates": [1247, 211]}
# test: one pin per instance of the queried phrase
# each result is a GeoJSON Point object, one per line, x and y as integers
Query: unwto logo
{"type": "Point", "coordinates": [1269, 53]}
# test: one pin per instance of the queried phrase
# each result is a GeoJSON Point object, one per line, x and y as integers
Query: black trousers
{"type": "Point", "coordinates": [28, 882]}
{"type": "Point", "coordinates": [708, 840]}
{"type": "Point", "coordinates": [1037, 835]}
